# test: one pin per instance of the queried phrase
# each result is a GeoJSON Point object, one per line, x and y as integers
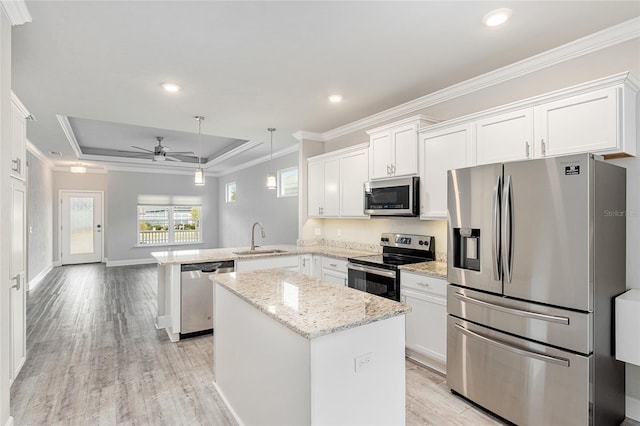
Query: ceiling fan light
{"type": "Point", "coordinates": [198, 178]}
{"type": "Point", "coordinates": [271, 181]}
{"type": "Point", "coordinates": [78, 169]}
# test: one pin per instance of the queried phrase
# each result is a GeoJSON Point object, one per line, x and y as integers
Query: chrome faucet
{"type": "Point", "coordinates": [253, 231]}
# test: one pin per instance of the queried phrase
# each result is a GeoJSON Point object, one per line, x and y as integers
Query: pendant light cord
{"type": "Point", "coordinates": [271, 130]}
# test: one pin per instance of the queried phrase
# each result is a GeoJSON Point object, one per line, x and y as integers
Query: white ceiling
{"type": "Point", "coordinates": [247, 66]}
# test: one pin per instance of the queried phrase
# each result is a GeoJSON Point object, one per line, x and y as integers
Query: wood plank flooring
{"type": "Point", "coordinates": [95, 357]}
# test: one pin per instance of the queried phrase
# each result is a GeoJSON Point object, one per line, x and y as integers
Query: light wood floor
{"type": "Point", "coordinates": [95, 357]}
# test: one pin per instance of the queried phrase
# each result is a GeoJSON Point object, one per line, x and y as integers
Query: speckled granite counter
{"type": "Point", "coordinates": [220, 254]}
{"type": "Point", "coordinates": [306, 305]}
{"type": "Point", "coordinates": [435, 269]}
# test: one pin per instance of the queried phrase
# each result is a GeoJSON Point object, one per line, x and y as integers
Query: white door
{"type": "Point", "coordinates": [315, 185]}
{"type": "Point", "coordinates": [405, 151]}
{"type": "Point", "coordinates": [17, 270]}
{"type": "Point", "coordinates": [80, 227]}
{"type": "Point", "coordinates": [505, 137]}
{"type": "Point", "coordinates": [380, 153]}
{"type": "Point", "coordinates": [354, 172]}
{"type": "Point", "coordinates": [331, 187]}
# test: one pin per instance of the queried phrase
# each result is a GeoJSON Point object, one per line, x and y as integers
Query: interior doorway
{"type": "Point", "coordinates": [81, 218]}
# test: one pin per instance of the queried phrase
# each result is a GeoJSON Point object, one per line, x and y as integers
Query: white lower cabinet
{"type": "Point", "coordinates": [426, 324]}
{"type": "Point", "coordinates": [305, 264]}
{"type": "Point", "coordinates": [287, 262]}
{"type": "Point", "coordinates": [334, 271]}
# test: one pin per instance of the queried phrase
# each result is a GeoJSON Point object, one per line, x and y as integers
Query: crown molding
{"type": "Point", "coordinates": [232, 153]}
{"type": "Point", "coordinates": [68, 132]}
{"type": "Point", "coordinates": [40, 155]}
{"type": "Point", "coordinates": [90, 170]}
{"type": "Point", "coordinates": [152, 169]}
{"type": "Point", "coordinates": [592, 43]}
{"type": "Point", "coordinates": [288, 150]}
{"type": "Point", "coordinates": [311, 136]}
{"type": "Point", "coordinates": [16, 11]}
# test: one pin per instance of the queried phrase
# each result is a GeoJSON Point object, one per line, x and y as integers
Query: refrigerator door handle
{"type": "Point", "coordinates": [507, 229]}
{"type": "Point", "coordinates": [535, 355]}
{"type": "Point", "coordinates": [495, 241]}
{"type": "Point", "coordinates": [513, 311]}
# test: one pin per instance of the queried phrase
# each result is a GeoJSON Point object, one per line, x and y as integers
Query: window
{"type": "Point", "coordinates": [288, 182]}
{"type": "Point", "coordinates": [161, 225]}
{"type": "Point", "coordinates": [231, 192]}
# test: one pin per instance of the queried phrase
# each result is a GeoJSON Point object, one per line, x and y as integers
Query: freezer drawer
{"type": "Point", "coordinates": [554, 326]}
{"type": "Point", "coordinates": [524, 382]}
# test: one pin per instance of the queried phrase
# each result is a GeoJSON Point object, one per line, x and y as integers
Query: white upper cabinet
{"type": "Point", "coordinates": [323, 185]}
{"type": "Point", "coordinates": [335, 183]}
{"type": "Point", "coordinates": [505, 137]}
{"type": "Point", "coordinates": [354, 172]}
{"type": "Point", "coordinates": [442, 150]}
{"type": "Point", "coordinates": [591, 122]}
{"type": "Point", "coordinates": [393, 148]}
{"type": "Point", "coordinates": [19, 116]}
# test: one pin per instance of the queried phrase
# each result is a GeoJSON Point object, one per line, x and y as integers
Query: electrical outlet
{"type": "Point", "coordinates": [362, 362]}
{"type": "Point", "coordinates": [339, 232]}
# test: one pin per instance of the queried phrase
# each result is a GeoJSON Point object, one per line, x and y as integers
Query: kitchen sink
{"type": "Point", "coordinates": [258, 251]}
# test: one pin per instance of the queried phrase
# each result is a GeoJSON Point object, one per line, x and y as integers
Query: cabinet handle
{"type": "Point", "coordinates": [334, 265]}
{"type": "Point", "coordinates": [17, 280]}
{"type": "Point", "coordinates": [527, 145]}
{"type": "Point", "coordinates": [16, 165]}
{"type": "Point", "coordinates": [423, 284]}
{"type": "Point", "coordinates": [388, 170]}
{"type": "Point", "coordinates": [393, 169]}
{"type": "Point", "coordinates": [544, 148]}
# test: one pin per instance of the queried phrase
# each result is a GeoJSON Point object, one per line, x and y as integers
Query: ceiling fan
{"type": "Point", "coordinates": [160, 152]}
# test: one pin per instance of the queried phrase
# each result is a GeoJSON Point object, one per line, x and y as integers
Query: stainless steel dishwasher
{"type": "Point", "coordinates": [196, 296]}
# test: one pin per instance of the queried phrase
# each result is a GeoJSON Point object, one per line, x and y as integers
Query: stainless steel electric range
{"type": "Point", "coordinates": [379, 273]}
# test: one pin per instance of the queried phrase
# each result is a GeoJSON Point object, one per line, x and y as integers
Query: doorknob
{"type": "Point", "coordinates": [17, 280]}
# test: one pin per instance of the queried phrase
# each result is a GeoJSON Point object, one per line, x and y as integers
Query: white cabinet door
{"type": "Point", "coordinates": [440, 151]}
{"type": "Point", "coordinates": [331, 205]}
{"type": "Point", "coordinates": [316, 268]}
{"type": "Point", "coordinates": [505, 137]}
{"type": "Point", "coordinates": [305, 264]}
{"type": "Point", "coordinates": [405, 149]}
{"type": "Point", "coordinates": [18, 139]}
{"type": "Point", "coordinates": [17, 271]}
{"type": "Point", "coordinates": [583, 123]}
{"type": "Point", "coordinates": [426, 328]}
{"type": "Point", "coordinates": [354, 172]}
{"type": "Point", "coordinates": [335, 277]}
{"type": "Point", "coordinates": [380, 152]}
{"type": "Point", "coordinates": [315, 187]}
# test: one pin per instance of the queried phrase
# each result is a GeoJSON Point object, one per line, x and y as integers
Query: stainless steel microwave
{"type": "Point", "coordinates": [392, 197]}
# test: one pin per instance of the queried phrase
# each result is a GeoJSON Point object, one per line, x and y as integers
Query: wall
{"type": "Point", "coordinates": [63, 180]}
{"type": "Point", "coordinates": [121, 207]}
{"type": "Point", "coordinates": [39, 219]}
{"type": "Point", "coordinates": [256, 203]}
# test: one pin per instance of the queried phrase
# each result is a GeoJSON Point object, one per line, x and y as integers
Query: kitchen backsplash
{"type": "Point", "coordinates": [341, 244]}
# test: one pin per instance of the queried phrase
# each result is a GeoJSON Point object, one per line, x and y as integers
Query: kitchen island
{"type": "Point", "coordinates": [169, 272]}
{"type": "Point", "coordinates": [291, 349]}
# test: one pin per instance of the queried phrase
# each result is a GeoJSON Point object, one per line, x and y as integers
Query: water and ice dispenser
{"type": "Point", "coordinates": [466, 248]}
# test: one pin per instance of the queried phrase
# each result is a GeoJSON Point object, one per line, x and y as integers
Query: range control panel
{"type": "Point", "coordinates": [411, 241]}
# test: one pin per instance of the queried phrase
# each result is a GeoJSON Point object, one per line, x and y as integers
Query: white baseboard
{"type": "Point", "coordinates": [9, 421]}
{"type": "Point", "coordinates": [129, 262]}
{"type": "Point", "coordinates": [226, 402]}
{"type": "Point", "coordinates": [56, 263]}
{"type": "Point", "coordinates": [633, 408]}
{"type": "Point", "coordinates": [38, 278]}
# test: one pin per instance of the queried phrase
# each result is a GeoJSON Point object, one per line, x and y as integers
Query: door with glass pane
{"type": "Point", "coordinates": [80, 227]}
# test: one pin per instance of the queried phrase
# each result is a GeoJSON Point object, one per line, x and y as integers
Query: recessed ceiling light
{"type": "Point", "coordinates": [171, 87]}
{"type": "Point", "coordinates": [335, 99]}
{"type": "Point", "coordinates": [55, 153]}
{"type": "Point", "coordinates": [78, 168]}
{"type": "Point", "coordinates": [496, 17]}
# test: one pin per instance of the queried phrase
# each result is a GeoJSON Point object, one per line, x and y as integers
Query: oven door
{"type": "Point", "coordinates": [378, 281]}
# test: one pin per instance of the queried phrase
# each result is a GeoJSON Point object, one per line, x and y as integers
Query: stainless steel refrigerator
{"type": "Point", "coordinates": [536, 255]}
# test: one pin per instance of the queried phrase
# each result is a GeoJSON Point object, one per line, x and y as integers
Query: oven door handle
{"type": "Point", "coordinates": [375, 271]}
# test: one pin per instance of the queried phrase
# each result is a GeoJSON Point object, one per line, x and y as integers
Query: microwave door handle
{"type": "Point", "coordinates": [495, 241]}
{"type": "Point", "coordinates": [507, 229]}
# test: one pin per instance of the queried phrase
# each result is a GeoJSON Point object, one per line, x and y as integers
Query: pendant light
{"type": "Point", "coordinates": [271, 177]}
{"type": "Point", "coordinates": [199, 176]}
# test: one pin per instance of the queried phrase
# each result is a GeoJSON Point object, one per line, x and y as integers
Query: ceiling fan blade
{"type": "Point", "coordinates": [143, 149]}
{"type": "Point", "coordinates": [172, 159]}
{"type": "Point", "coordinates": [181, 152]}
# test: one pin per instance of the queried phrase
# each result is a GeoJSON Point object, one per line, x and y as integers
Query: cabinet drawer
{"type": "Point", "coordinates": [423, 283]}
{"type": "Point", "coordinates": [336, 264]}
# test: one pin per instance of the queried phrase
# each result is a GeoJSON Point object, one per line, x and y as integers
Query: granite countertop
{"type": "Point", "coordinates": [306, 305]}
{"type": "Point", "coordinates": [437, 269]}
{"type": "Point", "coordinates": [220, 254]}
